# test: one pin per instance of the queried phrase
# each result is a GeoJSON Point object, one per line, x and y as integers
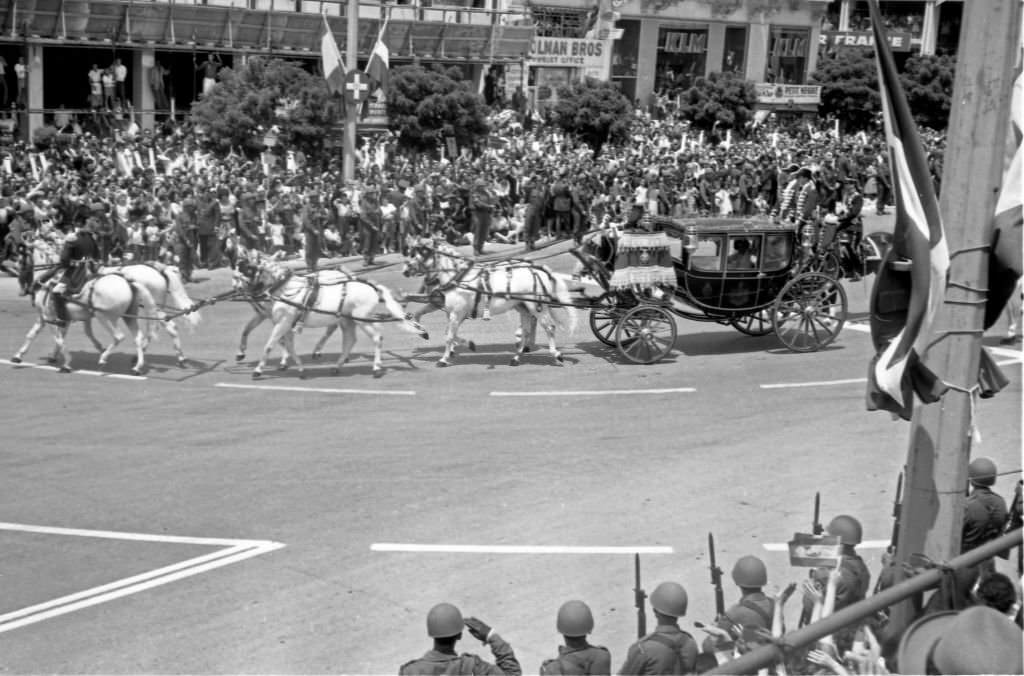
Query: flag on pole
{"type": "Point", "coordinates": [904, 302]}
{"type": "Point", "coordinates": [1004, 268]}
{"type": "Point", "coordinates": [331, 61]}
{"type": "Point", "coordinates": [378, 65]}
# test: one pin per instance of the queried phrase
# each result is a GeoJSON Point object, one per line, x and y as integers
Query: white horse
{"type": "Point", "coordinates": [163, 282]}
{"type": "Point", "coordinates": [532, 290]}
{"type": "Point", "coordinates": [301, 301]}
{"type": "Point", "coordinates": [261, 305]}
{"type": "Point", "coordinates": [107, 298]}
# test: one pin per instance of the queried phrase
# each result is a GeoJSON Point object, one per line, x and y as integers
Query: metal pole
{"type": "Point", "coordinates": [351, 110]}
{"type": "Point", "coordinates": [940, 436]}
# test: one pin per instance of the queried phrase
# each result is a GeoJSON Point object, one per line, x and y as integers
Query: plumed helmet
{"type": "Point", "coordinates": [982, 471]}
{"type": "Point", "coordinates": [444, 620]}
{"type": "Point", "coordinates": [847, 528]}
{"type": "Point", "coordinates": [750, 571]}
{"type": "Point", "coordinates": [575, 619]}
{"type": "Point", "coordinates": [669, 598]}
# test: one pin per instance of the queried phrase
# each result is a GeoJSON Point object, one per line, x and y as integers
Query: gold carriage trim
{"type": "Point", "coordinates": [643, 260]}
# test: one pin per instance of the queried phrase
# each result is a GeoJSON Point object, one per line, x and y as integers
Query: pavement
{"type": "Point", "coordinates": [185, 522]}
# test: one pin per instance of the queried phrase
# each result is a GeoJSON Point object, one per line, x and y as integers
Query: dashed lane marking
{"type": "Point", "coordinates": [515, 549]}
{"type": "Point", "coordinates": [231, 551]}
{"type": "Point", "coordinates": [817, 383]}
{"type": "Point", "coordinates": [594, 393]}
{"type": "Point", "coordinates": [81, 372]}
{"type": "Point", "coordinates": [316, 390]}
{"type": "Point", "coordinates": [866, 544]}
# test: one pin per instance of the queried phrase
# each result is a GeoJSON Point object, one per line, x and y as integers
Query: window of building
{"type": "Point", "coordinates": [624, 56]}
{"type": "Point", "coordinates": [734, 54]}
{"type": "Point", "coordinates": [787, 55]}
{"type": "Point", "coordinates": [561, 22]}
{"type": "Point", "coordinates": [681, 58]}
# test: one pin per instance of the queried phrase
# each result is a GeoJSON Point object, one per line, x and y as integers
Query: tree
{"type": "Point", "coordinates": [425, 105]}
{"type": "Point", "coordinates": [596, 111]}
{"type": "Point", "coordinates": [928, 82]}
{"type": "Point", "coordinates": [266, 93]}
{"type": "Point", "coordinates": [849, 88]}
{"type": "Point", "coordinates": [723, 98]}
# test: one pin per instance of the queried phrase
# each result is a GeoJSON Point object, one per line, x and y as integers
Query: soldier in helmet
{"type": "Point", "coordinates": [854, 576]}
{"type": "Point", "coordinates": [754, 610]}
{"type": "Point", "coordinates": [444, 625]}
{"type": "Point", "coordinates": [985, 511]}
{"type": "Point", "coordinates": [669, 649]}
{"type": "Point", "coordinates": [577, 656]}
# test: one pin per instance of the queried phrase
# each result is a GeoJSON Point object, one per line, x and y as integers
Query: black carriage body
{"type": "Point", "coordinates": [729, 267]}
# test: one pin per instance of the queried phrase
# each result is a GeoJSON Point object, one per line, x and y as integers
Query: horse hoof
{"type": "Point", "coordinates": [471, 345]}
{"type": "Point", "coordinates": [442, 364]}
{"type": "Point", "coordinates": [182, 361]}
{"type": "Point", "coordinates": [256, 375]}
{"type": "Point", "coordinates": [514, 362]}
{"type": "Point", "coordinates": [377, 373]}
{"type": "Point", "coordinates": [527, 349]}
{"type": "Point", "coordinates": [15, 360]}
{"type": "Point", "coordinates": [136, 372]}
{"type": "Point", "coordinates": [240, 357]}
{"type": "Point", "coordinates": [64, 369]}
{"type": "Point", "coordinates": [282, 367]}
{"type": "Point", "coordinates": [559, 358]}
{"type": "Point", "coordinates": [302, 375]}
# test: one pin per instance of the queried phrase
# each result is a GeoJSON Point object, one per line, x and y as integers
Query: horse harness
{"type": "Point", "coordinates": [484, 287]}
{"type": "Point", "coordinates": [311, 294]}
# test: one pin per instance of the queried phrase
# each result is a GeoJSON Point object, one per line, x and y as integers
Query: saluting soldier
{"type": "Point", "coordinates": [669, 649]}
{"type": "Point", "coordinates": [577, 656]}
{"type": "Point", "coordinates": [984, 511]}
{"type": "Point", "coordinates": [444, 625]}
{"type": "Point", "coordinates": [369, 219]}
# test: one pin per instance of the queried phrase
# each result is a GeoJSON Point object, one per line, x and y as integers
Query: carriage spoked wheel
{"type": "Point", "coordinates": [756, 324]}
{"type": "Point", "coordinates": [809, 312]}
{"type": "Point", "coordinates": [605, 315]}
{"type": "Point", "coordinates": [645, 334]}
{"type": "Point", "coordinates": [827, 264]}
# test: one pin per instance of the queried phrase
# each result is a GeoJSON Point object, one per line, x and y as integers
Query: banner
{"type": "Point", "coordinates": [815, 551]}
{"type": "Point", "coordinates": [592, 56]}
{"type": "Point", "coordinates": [899, 42]}
{"type": "Point", "coordinates": [769, 93]}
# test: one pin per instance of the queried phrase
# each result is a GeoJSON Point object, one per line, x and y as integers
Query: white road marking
{"type": "Point", "coordinates": [231, 551]}
{"type": "Point", "coordinates": [316, 390]}
{"type": "Point", "coordinates": [514, 549]}
{"type": "Point", "coordinates": [818, 383]}
{"type": "Point", "coordinates": [866, 544]}
{"type": "Point", "coordinates": [593, 393]}
{"type": "Point", "coordinates": [81, 372]}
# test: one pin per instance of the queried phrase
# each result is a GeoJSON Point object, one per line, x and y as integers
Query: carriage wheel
{"type": "Point", "coordinates": [809, 312]}
{"type": "Point", "coordinates": [646, 334]}
{"type": "Point", "coordinates": [604, 316]}
{"type": "Point", "coordinates": [827, 264]}
{"type": "Point", "coordinates": [757, 324]}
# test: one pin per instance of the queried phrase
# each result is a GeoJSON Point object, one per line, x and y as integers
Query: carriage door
{"type": "Point", "coordinates": [706, 266]}
{"type": "Point", "coordinates": [742, 264]}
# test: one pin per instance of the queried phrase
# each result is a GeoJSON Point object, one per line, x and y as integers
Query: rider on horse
{"type": "Point", "coordinates": [79, 260]}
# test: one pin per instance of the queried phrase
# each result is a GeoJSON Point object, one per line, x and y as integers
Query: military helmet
{"type": "Point", "coordinates": [444, 620]}
{"type": "Point", "coordinates": [982, 471]}
{"type": "Point", "coordinates": [750, 571]}
{"type": "Point", "coordinates": [847, 528]}
{"type": "Point", "coordinates": [669, 598]}
{"type": "Point", "coordinates": [575, 619]}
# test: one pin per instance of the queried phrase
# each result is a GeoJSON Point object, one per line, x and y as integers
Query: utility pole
{"type": "Point", "coordinates": [940, 438]}
{"type": "Point", "coordinates": [351, 109]}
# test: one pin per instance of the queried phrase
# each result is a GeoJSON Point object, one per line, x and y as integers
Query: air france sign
{"type": "Point", "coordinates": [900, 42]}
{"type": "Point", "coordinates": [593, 56]}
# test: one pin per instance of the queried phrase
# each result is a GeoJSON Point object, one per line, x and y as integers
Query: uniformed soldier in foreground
{"type": "Point", "coordinates": [577, 656]}
{"type": "Point", "coordinates": [444, 625]}
{"type": "Point", "coordinates": [753, 612]}
{"type": "Point", "coordinates": [854, 576]}
{"type": "Point", "coordinates": [984, 511]}
{"type": "Point", "coordinates": [669, 650]}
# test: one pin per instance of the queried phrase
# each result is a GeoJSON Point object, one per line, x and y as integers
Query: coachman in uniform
{"type": "Point", "coordinates": [78, 262]}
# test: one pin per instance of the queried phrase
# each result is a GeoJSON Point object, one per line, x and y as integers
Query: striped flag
{"type": "Point", "coordinates": [1005, 264]}
{"type": "Point", "coordinates": [330, 58]}
{"type": "Point", "coordinates": [378, 65]}
{"type": "Point", "coordinates": [904, 302]}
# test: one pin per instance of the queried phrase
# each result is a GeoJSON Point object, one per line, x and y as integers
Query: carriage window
{"type": "Point", "coordinates": [708, 255]}
{"type": "Point", "coordinates": [777, 249]}
{"type": "Point", "coordinates": [743, 252]}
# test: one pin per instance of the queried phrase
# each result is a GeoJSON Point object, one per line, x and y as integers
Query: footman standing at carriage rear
{"type": "Point", "coordinates": [78, 261]}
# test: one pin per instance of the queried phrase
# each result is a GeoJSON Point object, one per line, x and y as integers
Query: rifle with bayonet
{"type": "Point", "coordinates": [897, 511]}
{"type": "Point", "coordinates": [716, 578]}
{"type": "Point", "coordinates": [639, 597]}
{"type": "Point", "coordinates": [816, 526]}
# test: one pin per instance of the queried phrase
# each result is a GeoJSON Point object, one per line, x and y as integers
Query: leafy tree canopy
{"type": "Point", "coordinates": [265, 93]}
{"type": "Point", "coordinates": [723, 98]}
{"type": "Point", "coordinates": [425, 105]}
{"type": "Point", "coordinates": [849, 88]}
{"type": "Point", "coordinates": [928, 82]}
{"type": "Point", "coordinates": [596, 111]}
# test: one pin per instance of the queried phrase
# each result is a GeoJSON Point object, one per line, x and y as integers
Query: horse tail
{"type": "Point", "coordinates": [145, 309]}
{"type": "Point", "coordinates": [564, 313]}
{"type": "Point", "coordinates": [178, 295]}
{"type": "Point", "coordinates": [397, 311]}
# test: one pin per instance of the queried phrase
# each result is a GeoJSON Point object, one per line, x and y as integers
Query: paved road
{"type": "Point", "coordinates": [328, 474]}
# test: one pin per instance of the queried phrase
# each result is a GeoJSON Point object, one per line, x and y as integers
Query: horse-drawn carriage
{"type": "Point", "coordinates": [754, 275]}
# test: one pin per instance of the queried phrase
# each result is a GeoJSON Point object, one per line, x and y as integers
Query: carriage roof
{"type": "Point", "coordinates": [710, 226]}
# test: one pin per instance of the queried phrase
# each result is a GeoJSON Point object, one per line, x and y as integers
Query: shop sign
{"type": "Point", "coordinates": [376, 114]}
{"type": "Point", "coordinates": [685, 42]}
{"type": "Point", "coordinates": [777, 94]}
{"type": "Point", "coordinates": [900, 42]}
{"type": "Point", "coordinates": [569, 52]}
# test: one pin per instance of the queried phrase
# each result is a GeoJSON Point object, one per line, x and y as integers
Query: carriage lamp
{"type": "Point", "coordinates": [690, 238]}
{"type": "Point", "coordinates": [807, 237]}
